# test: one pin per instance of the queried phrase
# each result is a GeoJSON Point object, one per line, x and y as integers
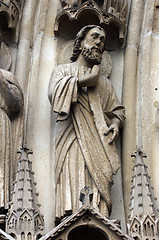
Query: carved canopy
{"type": "Point", "coordinates": [110, 16]}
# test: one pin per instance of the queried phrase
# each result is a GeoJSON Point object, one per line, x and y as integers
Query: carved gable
{"type": "Point", "coordinates": [135, 228]}
{"type": "Point", "coordinates": [12, 221]}
{"type": "Point", "coordinates": [38, 222]}
{"type": "Point", "coordinates": [86, 220]}
{"type": "Point", "coordinates": [148, 227]}
{"type": "Point", "coordinates": [25, 216]}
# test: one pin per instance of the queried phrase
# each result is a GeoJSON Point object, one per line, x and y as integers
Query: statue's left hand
{"type": "Point", "coordinates": [114, 128]}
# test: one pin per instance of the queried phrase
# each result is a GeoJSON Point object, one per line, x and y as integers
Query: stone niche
{"type": "Point", "coordinates": [71, 18]}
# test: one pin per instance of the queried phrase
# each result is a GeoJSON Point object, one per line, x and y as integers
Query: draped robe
{"type": "Point", "coordinates": [83, 156]}
{"type": "Point", "coordinates": [8, 109]}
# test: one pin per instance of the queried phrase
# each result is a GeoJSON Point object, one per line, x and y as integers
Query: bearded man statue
{"type": "Point", "coordinates": [89, 116]}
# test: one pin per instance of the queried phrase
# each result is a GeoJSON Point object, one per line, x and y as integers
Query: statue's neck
{"type": "Point", "coordinates": [81, 61]}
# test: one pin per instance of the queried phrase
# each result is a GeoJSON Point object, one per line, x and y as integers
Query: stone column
{"type": "Point", "coordinates": [140, 91]}
{"type": "Point", "coordinates": [130, 93]}
{"type": "Point", "coordinates": [35, 62]}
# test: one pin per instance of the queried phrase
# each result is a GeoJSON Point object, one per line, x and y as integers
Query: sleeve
{"type": "Point", "coordinates": [114, 109]}
{"type": "Point", "coordinates": [62, 92]}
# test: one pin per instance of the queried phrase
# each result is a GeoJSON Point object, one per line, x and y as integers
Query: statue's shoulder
{"type": "Point", "coordinates": [105, 80]}
{"type": "Point", "coordinates": [106, 84]}
{"type": "Point", "coordinates": [64, 66]}
{"type": "Point", "coordinates": [9, 76]}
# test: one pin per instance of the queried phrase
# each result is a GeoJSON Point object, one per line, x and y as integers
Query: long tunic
{"type": "Point", "coordinates": [9, 106]}
{"type": "Point", "coordinates": [83, 156]}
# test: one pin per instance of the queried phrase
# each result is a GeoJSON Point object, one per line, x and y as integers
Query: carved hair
{"type": "Point", "coordinates": [79, 38]}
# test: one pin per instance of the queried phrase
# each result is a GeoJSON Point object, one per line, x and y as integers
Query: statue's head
{"type": "Point", "coordinates": [90, 42]}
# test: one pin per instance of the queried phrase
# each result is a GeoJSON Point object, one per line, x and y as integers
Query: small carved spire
{"type": "Point", "coordinates": [86, 196]}
{"type": "Point", "coordinates": [142, 196]}
{"type": "Point", "coordinates": [143, 209]}
{"type": "Point", "coordinates": [24, 216]}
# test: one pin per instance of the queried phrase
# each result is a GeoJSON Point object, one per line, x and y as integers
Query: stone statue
{"type": "Point", "coordinates": [11, 101]}
{"type": "Point", "coordinates": [89, 116]}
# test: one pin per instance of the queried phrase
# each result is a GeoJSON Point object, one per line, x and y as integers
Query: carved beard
{"type": "Point", "coordinates": [92, 55]}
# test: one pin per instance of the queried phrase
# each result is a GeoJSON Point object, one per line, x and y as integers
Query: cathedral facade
{"type": "Point", "coordinates": [79, 119]}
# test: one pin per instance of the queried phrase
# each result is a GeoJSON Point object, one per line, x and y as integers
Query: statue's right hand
{"type": "Point", "coordinates": [90, 78]}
